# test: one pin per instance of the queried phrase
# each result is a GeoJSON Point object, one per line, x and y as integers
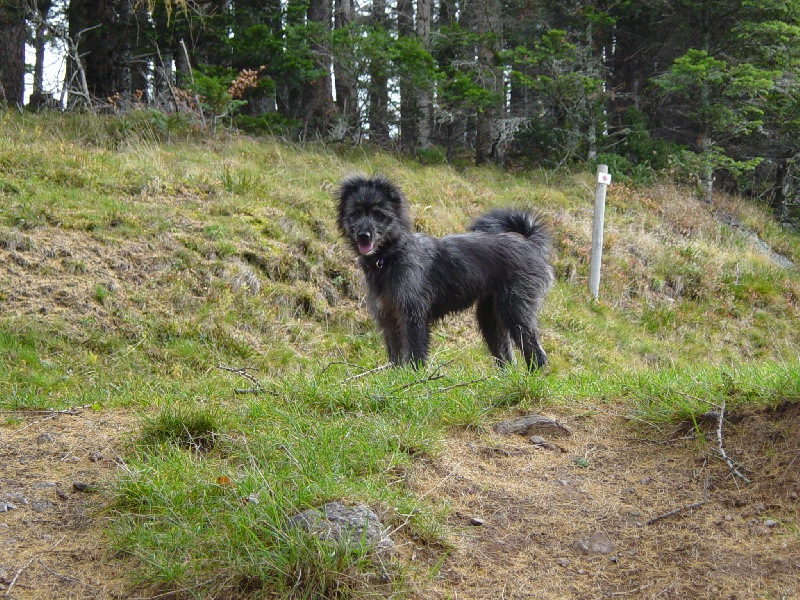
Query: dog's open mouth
{"type": "Point", "coordinates": [365, 247]}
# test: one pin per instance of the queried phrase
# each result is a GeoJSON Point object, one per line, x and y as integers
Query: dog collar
{"type": "Point", "coordinates": [379, 263]}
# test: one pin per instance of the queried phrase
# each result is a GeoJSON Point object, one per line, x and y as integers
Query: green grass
{"type": "Point", "coordinates": [142, 256]}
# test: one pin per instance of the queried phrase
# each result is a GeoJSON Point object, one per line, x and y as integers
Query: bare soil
{"type": "Point", "coordinates": [668, 519]}
{"type": "Point", "coordinates": [578, 520]}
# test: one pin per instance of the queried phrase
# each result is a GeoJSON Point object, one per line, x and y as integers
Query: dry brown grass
{"type": "Point", "coordinates": [536, 504]}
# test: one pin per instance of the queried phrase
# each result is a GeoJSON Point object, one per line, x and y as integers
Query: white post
{"type": "Point", "coordinates": [603, 179]}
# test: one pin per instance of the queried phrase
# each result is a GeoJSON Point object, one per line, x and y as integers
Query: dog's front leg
{"type": "Point", "coordinates": [417, 336]}
{"type": "Point", "coordinates": [394, 344]}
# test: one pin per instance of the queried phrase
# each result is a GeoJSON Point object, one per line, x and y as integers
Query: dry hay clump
{"type": "Point", "coordinates": [607, 513]}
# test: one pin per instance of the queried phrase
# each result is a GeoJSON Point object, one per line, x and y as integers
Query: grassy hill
{"type": "Point", "coordinates": [161, 276]}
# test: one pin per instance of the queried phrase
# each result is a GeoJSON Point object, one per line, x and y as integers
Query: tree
{"type": "Point", "coordinates": [722, 102]}
{"type": "Point", "coordinates": [12, 52]}
{"type": "Point", "coordinates": [378, 88]}
{"type": "Point", "coordinates": [38, 97]}
{"type": "Point", "coordinates": [346, 77]}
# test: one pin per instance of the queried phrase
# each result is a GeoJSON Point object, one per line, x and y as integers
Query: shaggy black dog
{"type": "Point", "coordinates": [414, 279]}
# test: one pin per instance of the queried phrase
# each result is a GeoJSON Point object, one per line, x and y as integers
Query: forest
{"type": "Point", "coordinates": [703, 92]}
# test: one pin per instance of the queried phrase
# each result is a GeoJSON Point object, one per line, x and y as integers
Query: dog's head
{"type": "Point", "coordinates": [373, 212]}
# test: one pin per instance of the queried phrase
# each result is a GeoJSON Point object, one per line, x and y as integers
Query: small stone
{"type": "Point", "coordinates": [41, 506]}
{"type": "Point", "coordinates": [80, 486]}
{"type": "Point", "coordinates": [645, 480]}
{"type": "Point", "coordinates": [770, 523]}
{"type": "Point", "coordinates": [581, 546]}
{"type": "Point", "coordinates": [728, 518]}
{"type": "Point", "coordinates": [475, 521]}
{"type": "Point", "coordinates": [43, 485]}
{"type": "Point", "coordinates": [15, 497]}
{"type": "Point", "coordinates": [562, 562]}
{"type": "Point", "coordinates": [531, 425]}
{"type": "Point", "coordinates": [95, 457]}
{"type": "Point", "coordinates": [598, 543]}
{"type": "Point", "coordinates": [45, 438]}
{"type": "Point", "coordinates": [601, 543]}
{"type": "Point", "coordinates": [759, 507]}
{"type": "Point", "coordinates": [537, 440]}
{"type": "Point", "coordinates": [61, 494]}
{"type": "Point", "coordinates": [335, 521]}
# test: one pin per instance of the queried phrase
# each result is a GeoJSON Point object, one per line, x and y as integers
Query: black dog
{"type": "Point", "coordinates": [414, 279]}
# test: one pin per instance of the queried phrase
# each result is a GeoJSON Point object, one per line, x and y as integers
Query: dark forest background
{"type": "Point", "coordinates": [705, 92]}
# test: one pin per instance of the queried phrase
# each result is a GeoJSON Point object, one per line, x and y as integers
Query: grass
{"type": "Point", "coordinates": [135, 267]}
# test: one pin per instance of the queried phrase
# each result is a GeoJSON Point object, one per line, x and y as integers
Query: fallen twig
{"type": "Point", "coordinates": [648, 442]}
{"type": "Point", "coordinates": [675, 512]}
{"type": "Point", "coordinates": [242, 371]}
{"type": "Point", "coordinates": [28, 564]}
{"type": "Point", "coordinates": [365, 373]}
{"type": "Point", "coordinates": [641, 588]}
{"type": "Point", "coordinates": [74, 410]}
{"type": "Point", "coordinates": [463, 384]}
{"type": "Point", "coordinates": [725, 457]}
{"type": "Point", "coordinates": [64, 578]}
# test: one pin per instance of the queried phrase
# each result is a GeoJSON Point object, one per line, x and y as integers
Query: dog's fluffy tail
{"type": "Point", "coordinates": [512, 220]}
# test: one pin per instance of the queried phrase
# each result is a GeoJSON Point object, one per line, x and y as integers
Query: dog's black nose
{"type": "Point", "coordinates": [364, 236]}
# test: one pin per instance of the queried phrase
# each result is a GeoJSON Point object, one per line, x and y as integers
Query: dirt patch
{"type": "Point", "coordinates": [57, 274]}
{"type": "Point", "coordinates": [565, 519]}
{"type": "Point", "coordinates": [53, 469]}
{"type": "Point", "coordinates": [593, 517]}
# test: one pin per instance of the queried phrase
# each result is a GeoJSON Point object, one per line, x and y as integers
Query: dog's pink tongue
{"type": "Point", "coordinates": [364, 248]}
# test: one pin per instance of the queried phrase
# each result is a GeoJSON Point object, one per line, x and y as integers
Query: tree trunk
{"type": "Point", "coordinates": [346, 84]}
{"type": "Point", "coordinates": [378, 84]}
{"type": "Point", "coordinates": [408, 93]}
{"type": "Point", "coordinates": [93, 27]}
{"type": "Point", "coordinates": [319, 94]}
{"type": "Point", "coordinates": [783, 190]}
{"type": "Point", "coordinates": [12, 53]}
{"type": "Point", "coordinates": [486, 19]}
{"type": "Point", "coordinates": [424, 95]}
{"type": "Point", "coordinates": [38, 97]}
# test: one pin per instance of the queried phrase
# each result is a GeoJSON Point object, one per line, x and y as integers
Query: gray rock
{"type": "Point", "coordinates": [41, 506]}
{"type": "Point", "coordinates": [597, 543]}
{"type": "Point", "coordinates": [45, 438]}
{"type": "Point", "coordinates": [43, 485]}
{"type": "Point", "coordinates": [530, 425]}
{"type": "Point", "coordinates": [16, 497]}
{"type": "Point", "coordinates": [539, 442]}
{"type": "Point", "coordinates": [351, 525]}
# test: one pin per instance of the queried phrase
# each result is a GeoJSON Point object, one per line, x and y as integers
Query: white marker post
{"type": "Point", "coordinates": [603, 180]}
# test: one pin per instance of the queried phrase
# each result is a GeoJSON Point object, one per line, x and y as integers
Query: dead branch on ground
{"type": "Point", "coordinates": [725, 457]}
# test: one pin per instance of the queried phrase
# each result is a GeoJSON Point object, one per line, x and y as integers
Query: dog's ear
{"type": "Point", "coordinates": [394, 196]}
{"type": "Point", "coordinates": [350, 185]}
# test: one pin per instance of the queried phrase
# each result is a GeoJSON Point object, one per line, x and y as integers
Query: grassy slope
{"type": "Point", "coordinates": [131, 268]}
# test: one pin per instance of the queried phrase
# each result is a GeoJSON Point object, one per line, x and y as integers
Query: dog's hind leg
{"type": "Point", "coordinates": [494, 332]}
{"type": "Point", "coordinates": [520, 319]}
{"type": "Point", "coordinates": [527, 340]}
